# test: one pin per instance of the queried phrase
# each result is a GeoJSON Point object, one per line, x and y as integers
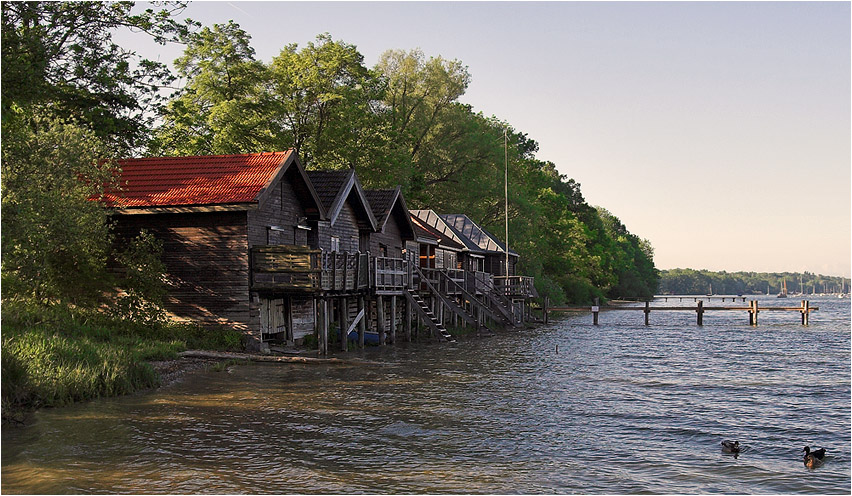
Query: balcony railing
{"type": "Point", "coordinates": [391, 275]}
{"type": "Point", "coordinates": [299, 269]}
{"type": "Point", "coordinates": [344, 271]}
{"type": "Point", "coordinates": [515, 286]}
{"type": "Point", "coordinates": [442, 284]}
{"type": "Point", "coordinates": [478, 282]}
{"type": "Point", "coordinates": [285, 268]}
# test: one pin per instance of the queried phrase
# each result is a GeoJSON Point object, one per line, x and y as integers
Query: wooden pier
{"type": "Point", "coordinates": [753, 310]}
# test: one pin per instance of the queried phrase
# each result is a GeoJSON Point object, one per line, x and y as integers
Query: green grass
{"type": "Point", "coordinates": [56, 356]}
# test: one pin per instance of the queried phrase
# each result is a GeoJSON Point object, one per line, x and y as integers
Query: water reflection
{"type": "Point", "coordinates": [620, 408]}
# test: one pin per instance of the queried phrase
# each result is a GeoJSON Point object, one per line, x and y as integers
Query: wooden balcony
{"type": "Point", "coordinates": [344, 271]}
{"type": "Point", "coordinates": [515, 286]}
{"type": "Point", "coordinates": [289, 269]}
{"type": "Point", "coordinates": [390, 275]}
{"type": "Point", "coordinates": [299, 269]}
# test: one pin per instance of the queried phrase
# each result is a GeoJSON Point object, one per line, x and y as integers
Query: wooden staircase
{"type": "Point", "coordinates": [483, 308]}
{"type": "Point", "coordinates": [428, 316]}
{"type": "Point", "coordinates": [502, 304]}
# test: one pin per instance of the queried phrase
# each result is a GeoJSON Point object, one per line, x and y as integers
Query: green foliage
{"type": "Point", "coordinates": [55, 241]}
{"type": "Point", "coordinates": [143, 274]}
{"type": "Point", "coordinates": [323, 103]}
{"type": "Point", "coordinates": [222, 109]}
{"type": "Point", "coordinates": [693, 282]}
{"type": "Point", "coordinates": [60, 56]}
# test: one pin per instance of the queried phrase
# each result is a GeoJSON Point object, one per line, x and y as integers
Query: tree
{"type": "Point", "coordinates": [326, 102]}
{"type": "Point", "coordinates": [55, 241]}
{"type": "Point", "coordinates": [419, 94]}
{"type": "Point", "coordinates": [60, 56]}
{"type": "Point", "coordinates": [224, 107]}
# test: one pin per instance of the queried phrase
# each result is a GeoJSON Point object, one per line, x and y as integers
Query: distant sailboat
{"type": "Point", "coordinates": [783, 293]}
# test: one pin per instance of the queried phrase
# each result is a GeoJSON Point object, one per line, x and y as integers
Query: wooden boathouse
{"type": "Point", "coordinates": [256, 243]}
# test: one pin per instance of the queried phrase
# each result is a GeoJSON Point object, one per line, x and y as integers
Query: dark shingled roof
{"type": "Point", "coordinates": [381, 201]}
{"type": "Point", "coordinates": [327, 184]}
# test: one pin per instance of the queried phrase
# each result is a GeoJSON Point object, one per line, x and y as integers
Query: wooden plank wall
{"type": "Point", "coordinates": [282, 209]}
{"type": "Point", "coordinates": [345, 227]}
{"type": "Point", "coordinates": [206, 258]}
{"type": "Point", "coordinates": [390, 236]}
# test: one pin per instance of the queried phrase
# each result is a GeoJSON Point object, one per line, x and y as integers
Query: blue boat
{"type": "Point", "coordinates": [369, 337]}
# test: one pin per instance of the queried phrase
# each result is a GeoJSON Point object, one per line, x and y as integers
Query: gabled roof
{"type": "Point", "coordinates": [191, 183]}
{"type": "Point", "coordinates": [436, 222]}
{"type": "Point", "coordinates": [429, 235]}
{"type": "Point", "coordinates": [486, 241]}
{"type": "Point", "coordinates": [475, 234]}
{"type": "Point", "coordinates": [335, 187]}
{"type": "Point", "coordinates": [387, 202]}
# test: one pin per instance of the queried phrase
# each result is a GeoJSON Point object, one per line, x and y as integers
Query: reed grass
{"type": "Point", "coordinates": [56, 356]}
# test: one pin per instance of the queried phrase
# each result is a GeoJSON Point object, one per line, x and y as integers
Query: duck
{"type": "Point", "coordinates": [813, 458]}
{"type": "Point", "coordinates": [730, 446]}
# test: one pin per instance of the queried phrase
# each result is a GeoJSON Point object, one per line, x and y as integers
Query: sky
{"type": "Point", "coordinates": [719, 131]}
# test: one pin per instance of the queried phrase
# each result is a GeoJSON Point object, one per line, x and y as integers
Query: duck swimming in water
{"type": "Point", "coordinates": [813, 458]}
{"type": "Point", "coordinates": [730, 446]}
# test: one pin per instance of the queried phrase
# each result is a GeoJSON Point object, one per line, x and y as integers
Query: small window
{"type": "Point", "coordinates": [335, 243]}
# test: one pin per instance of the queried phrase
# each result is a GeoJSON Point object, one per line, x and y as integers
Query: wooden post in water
{"type": "Point", "coordinates": [362, 325]}
{"type": "Point", "coordinates": [647, 313]}
{"type": "Point", "coordinates": [407, 321]}
{"type": "Point", "coordinates": [755, 311]}
{"type": "Point", "coordinates": [595, 311]}
{"type": "Point", "coordinates": [546, 306]}
{"type": "Point", "coordinates": [393, 320]}
{"type": "Point", "coordinates": [700, 311]}
{"type": "Point", "coordinates": [324, 327]}
{"type": "Point", "coordinates": [806, 311]}
{"type": "Point", "coordinates": [343, 311]}
{"type": "Point", "coordinates": [380, 318]}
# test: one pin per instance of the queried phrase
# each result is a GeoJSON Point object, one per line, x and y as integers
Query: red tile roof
{"type": "Point", "coordinates": [202, 180]}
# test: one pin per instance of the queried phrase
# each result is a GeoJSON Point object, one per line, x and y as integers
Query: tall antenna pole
{"type": "Point", "coordinates": [506, 195]}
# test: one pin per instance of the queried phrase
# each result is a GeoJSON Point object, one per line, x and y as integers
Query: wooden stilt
{"type": "Point", "coordinates": [324, 326]}
{"type": "Point", "coordinates": [343, 320]}
{"type": "Point", "coordinates": [805, 312]}
{"type": "Point", "coordinates": [380, 319]}
{"type": "Point", "coordinates": [407, 321]}
{"type": "Point", "coordinates": [362, 326]}
{"type": "Point", "coordinates": [647, 313]}
{"type": "Point", "coordinates": [288, 305]}
{"type": "Point", "coordinates": [756, 312]}
{"type": "Point", "coordinates": [393, 320]}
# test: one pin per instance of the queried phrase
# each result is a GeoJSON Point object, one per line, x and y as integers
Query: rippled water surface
{"type": "Point", "coordinates": [619, 408]}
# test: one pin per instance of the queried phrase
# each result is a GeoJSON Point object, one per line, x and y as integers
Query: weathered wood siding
{"type": "Point", "coordinates": [390, 237]}
{"type": "Point", "coordinates": [345, 228]}
{"type": "Point", "coordinates": [206, 259]}
{"type": "Point", "coordinates": [445, 259]}
{"type": "Point", "coordinates": [281, 209]}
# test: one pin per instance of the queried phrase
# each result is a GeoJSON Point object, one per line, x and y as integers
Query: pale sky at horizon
{"type": "Point", "coordinates": [718, 131]}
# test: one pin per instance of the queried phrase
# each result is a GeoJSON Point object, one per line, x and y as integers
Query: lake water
{"type": "Point", "coordinates": [620, 408]}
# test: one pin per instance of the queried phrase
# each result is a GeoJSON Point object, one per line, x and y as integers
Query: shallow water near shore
{"type": "Point", "coordinates": [619, 408]}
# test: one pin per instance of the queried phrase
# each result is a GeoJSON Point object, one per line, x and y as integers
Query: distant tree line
{"type": "Point", "coordinates": [700, 282]}
{"type": "Point", "coordinates": [73, 101]}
